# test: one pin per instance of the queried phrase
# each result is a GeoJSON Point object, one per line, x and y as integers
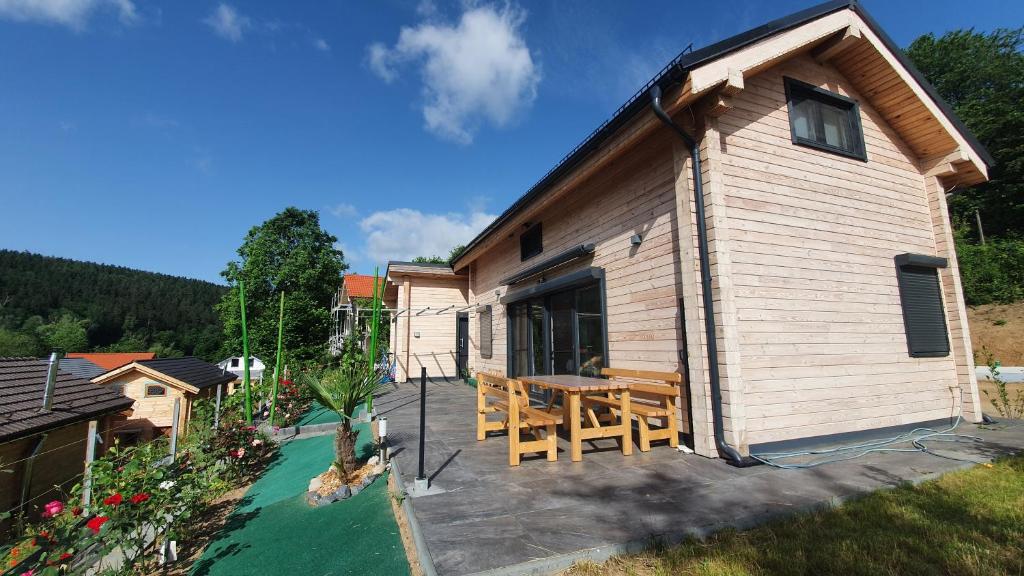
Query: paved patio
{"type": "Point", "coordinates": [542, 516]}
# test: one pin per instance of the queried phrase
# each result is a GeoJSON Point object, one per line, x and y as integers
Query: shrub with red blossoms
{"type": "Point", "coordinates": [113, 500]}
{"type": "Point", "coordinates": [139, 498]}
{"type": "Point", "coordinates": [97, 522]}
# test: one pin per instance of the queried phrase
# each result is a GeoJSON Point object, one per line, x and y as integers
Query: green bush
{"type": "Point", "coordinates": [991, 273]}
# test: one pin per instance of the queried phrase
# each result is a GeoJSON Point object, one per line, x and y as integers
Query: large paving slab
{"type": "Point", "coordinates": [488, 516]}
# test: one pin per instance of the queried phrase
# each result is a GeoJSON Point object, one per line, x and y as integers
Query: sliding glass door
{"type": "Point", "coordinates": [559, 333]}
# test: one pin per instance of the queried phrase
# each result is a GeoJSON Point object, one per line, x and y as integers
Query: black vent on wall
{"type": "Point", "coordinates": [921, 298]}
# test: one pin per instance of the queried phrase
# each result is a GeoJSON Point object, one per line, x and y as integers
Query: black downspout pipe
{"type": "Point", "coordinates": [724, 448]}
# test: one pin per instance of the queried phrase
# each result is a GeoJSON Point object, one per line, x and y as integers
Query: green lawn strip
{"type": "Point", "coordinates": [274, 531]}
{"type": "Point", "coordinates": [969, 522]}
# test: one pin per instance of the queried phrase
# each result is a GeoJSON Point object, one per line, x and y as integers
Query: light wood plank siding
{"type": "Point", "coordinates": [644, 284]}
{"type": "Point", "coordinates": [821, 341]}
{"type": "Point", "coordinates": [434, 348]}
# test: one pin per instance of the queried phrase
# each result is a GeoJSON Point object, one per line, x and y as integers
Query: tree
{"type": "Point", "coordinates": [67, 334]}
{"type": "Point", "coordinates": [456, 252]}
{"type": "Point", "coordinates": [288, 252]}
{"type": "Point", "coordinates": [429, 260]}
{"type": "Point", "coordinates": [344, 390]}
{"type": "Point", "coordinates": [982, 77]}
{"type": "Point", "coordinates": [17, 344]}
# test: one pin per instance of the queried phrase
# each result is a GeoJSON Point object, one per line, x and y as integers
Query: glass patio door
{"type": "Point", "coordinates": [561, 333]}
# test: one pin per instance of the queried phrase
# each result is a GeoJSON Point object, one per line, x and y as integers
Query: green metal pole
{"type": "Point", "coordinates": [245, 355]}
{"type": "Point", "coordinates": [373, 331]}
{"type": "Point", "coordinates": [277, 368]}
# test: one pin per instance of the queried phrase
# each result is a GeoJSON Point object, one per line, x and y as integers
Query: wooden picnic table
{"type": "Point", "coordinates": [574, 387]}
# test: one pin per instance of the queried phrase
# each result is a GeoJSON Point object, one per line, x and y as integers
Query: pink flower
{"type": "Point", "coordinates": [257, 442]}
{"type": "Point", "coordinates": [53, 508]}
{"type": "Point", "coordinates": [28, 573]}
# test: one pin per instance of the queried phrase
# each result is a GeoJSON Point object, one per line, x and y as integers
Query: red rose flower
{"type": "Point", "coordinates": [139, 498]}
{"type": "Point", "coordinates": [114, 499]}
{"type": "Point", "coordinates": [96, 523]}
{"type": "Point", "coordinates": [64, 556]}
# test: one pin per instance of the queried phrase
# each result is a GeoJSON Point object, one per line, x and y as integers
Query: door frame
{"type": "Point", "coordinates": [461, 344]}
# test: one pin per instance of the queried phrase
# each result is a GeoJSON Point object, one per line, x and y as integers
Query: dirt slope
{"type": "Point", "coordinates": [1000, 328]}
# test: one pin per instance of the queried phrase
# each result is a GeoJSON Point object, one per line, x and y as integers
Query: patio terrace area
{"type": "Point", "coordinates": [484, 516]}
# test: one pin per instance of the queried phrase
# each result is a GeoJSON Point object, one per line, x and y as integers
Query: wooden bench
{"type": "Point", "coordinates": [652, 395]}
{"type": "Point", "coordinates": [496, 394]}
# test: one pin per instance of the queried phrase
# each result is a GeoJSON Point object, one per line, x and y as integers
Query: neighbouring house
{"type": "Point", "coordinates": [111, 360]}
{"type": "Point", "coordinates": [805, 282]}
{"type": "Point", "coordinates": [235, 366]}
{"type": "Point", "coordinates": [347, 315]}
{"type": "Point", "coordinates": [430, 319]}
{"type": "Point", "coordinates": [81, 367]}
{"type": "Point", "coordinates": [42, 449]}
{"type": "Point", "coordinates": [154, 385]}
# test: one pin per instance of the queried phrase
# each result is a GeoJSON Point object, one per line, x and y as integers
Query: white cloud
{"type": "Point", "coordinates": [227, 23]}
{"type": "Point", "coordinates": [403, 233]}
{"type": "Point", "coordinates": [343, 210]}
{"type": "Point", "coordinates": [477, 70]}
{"type": "Point", "coordinates": [71, 13]}
{"type": "Point", "coordinates": [321, 45]}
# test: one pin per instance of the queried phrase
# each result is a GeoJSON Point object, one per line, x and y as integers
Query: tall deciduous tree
{"type": "Point", "coordinates": [289, 252]}
{"type": "Point", "coordinates": [982, 77]}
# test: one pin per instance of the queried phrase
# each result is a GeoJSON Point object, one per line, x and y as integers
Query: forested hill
{"type": "Point", "coordinates": [48, 302]}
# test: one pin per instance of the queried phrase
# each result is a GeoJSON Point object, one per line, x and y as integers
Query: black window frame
{"type": "Point", "coordinates": [150, 385]}
{"type": "Point", "coordinates": [797, 89]}
{"type": "Point", "coordinates": [527, 248]}
{"type": "Point", "coordinates": [905, 263]}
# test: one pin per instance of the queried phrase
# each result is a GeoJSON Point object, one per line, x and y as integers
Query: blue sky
{"type": "Point", "coordinates": [154, 135]}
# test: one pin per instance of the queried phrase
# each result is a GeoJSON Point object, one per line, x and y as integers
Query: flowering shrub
{"type": "Point", "coordinates": [139, 499]}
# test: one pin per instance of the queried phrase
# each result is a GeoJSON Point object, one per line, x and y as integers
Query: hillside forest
{"type": "Point", "coordinates": [48, 303]}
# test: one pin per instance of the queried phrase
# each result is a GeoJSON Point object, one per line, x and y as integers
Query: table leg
{"type": "Point", "coordinates": [573, 413]}
{"type": "Point", "coordinates": [626, 421]}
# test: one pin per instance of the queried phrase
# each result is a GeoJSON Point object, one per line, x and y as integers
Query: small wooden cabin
{"type": "Point", "coordinates": [154, 385]}
{"type": "Point", "coordinates": [817, 226]}
{"type": "Point", "coordinates": [43, 451]}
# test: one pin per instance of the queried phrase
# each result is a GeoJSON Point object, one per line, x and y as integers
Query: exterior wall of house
{"type": "Point", "coordinates": [428, 339]}
{"type": "Point", "coordinates": [810, 303]}
{"type": "Point", "coordinates": [60, 462]}
{"type": "Point", "coordinates": [644, 285]}
{"type": "Point", "coordinates": [150, 414]}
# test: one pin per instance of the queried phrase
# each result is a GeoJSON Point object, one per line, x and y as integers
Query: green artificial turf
{"type": "Point", "coordinates": [317, 414]}
{"type": "Point", "coordinates": [969, 522]}
{"type": "Point", "coordinates": [274, 531]}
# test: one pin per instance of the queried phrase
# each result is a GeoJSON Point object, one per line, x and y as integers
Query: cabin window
{"type": "Point", "coordinates": [486, 344]}
{"type": "Point", "coordinates": [824, 120]}
{"type": "Point", "coordinates": [530, 243]}
{"type": "Point", "coordinates": [155, 390]}
{"type": "Point", "coordinates": [921, 299]}
{"type": "Point", "coordinates": [234, 362]}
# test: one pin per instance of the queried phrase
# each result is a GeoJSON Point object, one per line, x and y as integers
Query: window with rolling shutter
{"type": "Point", "coordinates": [486, 344]}
{"type": "Point", "coordinates": [924, 318]}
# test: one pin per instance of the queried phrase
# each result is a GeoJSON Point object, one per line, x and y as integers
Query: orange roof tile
{"type": "Point", "coordinates": [360, 285]}
{"type": "Point", "coordinates": [112, 360]}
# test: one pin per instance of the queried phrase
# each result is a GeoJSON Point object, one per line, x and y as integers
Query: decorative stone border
{"type": "Point", "coordinates": [345, 491]}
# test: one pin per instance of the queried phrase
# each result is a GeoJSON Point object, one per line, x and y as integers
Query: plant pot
{"type": "Point", "coordinates": [470, 381]}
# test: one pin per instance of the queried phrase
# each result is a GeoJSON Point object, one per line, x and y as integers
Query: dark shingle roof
{"type": "Point", "coordinates": [81, 367]}
{"type": "Point", "coordinates": [190, 370]}
{"type": "Point", "coordinates": [22, 381]}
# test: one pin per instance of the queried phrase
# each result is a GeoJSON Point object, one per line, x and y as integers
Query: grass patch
{"type": "Point", "coordinates": [967, 522]}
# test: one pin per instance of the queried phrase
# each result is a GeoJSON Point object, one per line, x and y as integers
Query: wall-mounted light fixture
{"type": "Point", "coordinates": [636, 240]}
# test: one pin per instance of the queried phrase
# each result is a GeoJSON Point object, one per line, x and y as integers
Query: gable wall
{"type": "Point", "coordinates": [435, 346]}
{"type": "Point", "coordinates": [148, 413]}
{"type": "Point", "coordinates": [812, 236]}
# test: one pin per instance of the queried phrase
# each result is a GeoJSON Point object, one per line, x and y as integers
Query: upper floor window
{"type": "Point", "coordinates": [234, 362]}
{"type": "Point", "coordinates": [531, 243]}
{"type": "Point", "coordinates": [825, 120]}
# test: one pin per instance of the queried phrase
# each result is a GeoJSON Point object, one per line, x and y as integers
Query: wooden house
{"type": "Point", "coordinates": [430, 319]}
{"type": "Point", "coordinates": [42, 449]}
{"type": "Point", "coordinates": [154, 385]}
{"type": "Point", "coordinates": [805, 282]}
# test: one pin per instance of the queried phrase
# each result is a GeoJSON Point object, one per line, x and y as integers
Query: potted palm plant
{"type": "Point", "coordinates": [344, 390]}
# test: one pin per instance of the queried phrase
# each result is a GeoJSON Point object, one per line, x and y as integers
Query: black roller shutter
{"type": "Point", "coordinates": [486, 335]}
{"type": "Point", "coordinates": [921, 298]}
